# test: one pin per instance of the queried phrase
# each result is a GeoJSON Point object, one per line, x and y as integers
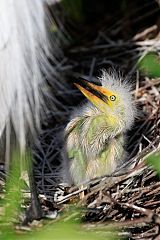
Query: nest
{"type": "Point", "coordinates": [129, 199]}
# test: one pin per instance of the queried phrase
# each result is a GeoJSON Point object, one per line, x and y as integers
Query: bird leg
{"type": "Point", "coordinates": [34, 212]}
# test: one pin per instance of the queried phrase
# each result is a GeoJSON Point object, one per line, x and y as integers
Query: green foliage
{"type": "Point", "coordinates": [11, 203]}
{"type": "Point", "coordinates": [12, 200]}
{"type": "Point", "coordinates": [154, 161]}
{"type": "Point", "coordinates": [150, 65]}
{"type": "Point", "coordinates": [67, 227]}
{"type": "Point", "coordinates": [57, 231]}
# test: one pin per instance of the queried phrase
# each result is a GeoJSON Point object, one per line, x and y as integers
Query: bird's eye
{"type": "Point", "coordinates": [113, 98]}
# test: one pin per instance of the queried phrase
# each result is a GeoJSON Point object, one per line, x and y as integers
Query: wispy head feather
{"type": "Point", "coordinates": [113, 81]}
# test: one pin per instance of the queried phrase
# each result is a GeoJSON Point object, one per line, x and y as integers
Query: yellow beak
{"type": "Point", "coordinates": [98, 95]}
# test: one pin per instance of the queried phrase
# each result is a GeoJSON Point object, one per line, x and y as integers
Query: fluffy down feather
{"type": "Point", "coordinates": [95, 137]}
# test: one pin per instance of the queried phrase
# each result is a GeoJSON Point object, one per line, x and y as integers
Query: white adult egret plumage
{"type": "Point", "coordinates": [23, 55]}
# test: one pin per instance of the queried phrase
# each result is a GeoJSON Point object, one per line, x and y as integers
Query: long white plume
{"type": "Point", "coordinates": [23, 49]}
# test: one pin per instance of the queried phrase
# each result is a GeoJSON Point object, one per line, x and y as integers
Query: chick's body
{"type": "Point", "coordinates": [95, 133]}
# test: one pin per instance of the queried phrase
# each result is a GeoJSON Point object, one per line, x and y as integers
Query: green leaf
{"type": "Point", "coordinates": [11, 204]}
{"type": "Point", "coordinates": [154, 161]}
{"type": "Point", "coordinates": [150, 65]}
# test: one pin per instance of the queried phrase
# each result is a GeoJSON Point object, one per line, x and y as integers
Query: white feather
{"type": "Point", "coordinates": [23, 50]}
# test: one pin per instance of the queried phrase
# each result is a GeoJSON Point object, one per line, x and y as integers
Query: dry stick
{"type": "Point", "coordinates": [141, 127]}
{"type": "Point", "coordinates": [149, 141]}
{"type": "Point", "coordinates": [151, 215]}
{"type": "Point", "coordinates": [114, 180]}
{"type": "Point", "coordinates": [149, 84]}
{"type": "Point", "coordinates": [94, 189]}
{"type": "Point", "coordinates": [145, 32]}
{"type": "Point", "coordinates": [114, 224]}
{"type": "Point", "coordinates": [151, 203]}
{"type": "Point", "coordinates": [137, 85]}
{"type": "Point", "coordinates": [153, 191]}
{"type": "Point", "coordinates": [67, 197]}
{"type": "Point", "coordinates": [143, 189]}
{"type": "Point", "coordinates": [148, 44]}
{"type": "Point", "coordinates": [109, 183]}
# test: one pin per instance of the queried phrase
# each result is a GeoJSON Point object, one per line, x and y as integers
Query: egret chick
{"type": "Point", "coordinates": [95, 135]}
